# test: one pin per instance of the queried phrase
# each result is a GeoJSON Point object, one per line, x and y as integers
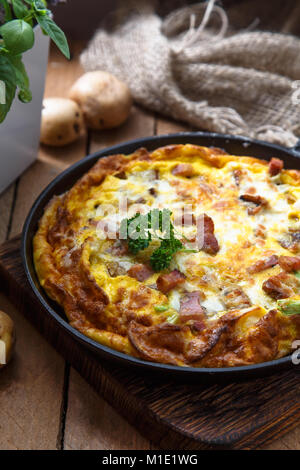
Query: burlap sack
{"type": "Point", "coordinates": [244, 83]}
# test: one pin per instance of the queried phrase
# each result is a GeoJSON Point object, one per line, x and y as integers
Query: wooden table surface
{"type": "Point", "coordinates": [45, 404]}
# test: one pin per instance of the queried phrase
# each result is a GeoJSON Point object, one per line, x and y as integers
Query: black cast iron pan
{"type": "Point", "coordinates": [234, 145]}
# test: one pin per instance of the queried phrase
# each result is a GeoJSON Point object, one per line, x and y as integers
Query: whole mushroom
{"type": "Point", "coordinates": [7, 338]}
{"type": "Point", "coordinates": [62, 122]}
{"type": "Point", "coordinates": [104, 99]}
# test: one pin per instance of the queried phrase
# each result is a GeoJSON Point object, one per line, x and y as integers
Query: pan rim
{"type": "Point", "coordinates": [105, 350]}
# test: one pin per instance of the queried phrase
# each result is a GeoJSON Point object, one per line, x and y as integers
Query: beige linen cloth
{"type": "Point", "coordinates": [192, 67]}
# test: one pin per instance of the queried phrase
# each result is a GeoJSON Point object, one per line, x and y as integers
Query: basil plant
{"type": "Point", "coordinates": [17, 20]}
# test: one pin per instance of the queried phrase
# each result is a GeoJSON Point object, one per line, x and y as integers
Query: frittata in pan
{"type": "Point", "coordinates": [186, 256]}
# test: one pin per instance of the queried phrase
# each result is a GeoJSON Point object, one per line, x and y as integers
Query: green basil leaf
{"type": "Point", "coordinates": [20, 10]}
{"type": "Point", "coordinates": [7, 75]}
{"type": "Point", "coordinates": [55, 33]}
{"type": "Point", "coordinates": [25, 95]}
{"type": "Point", "coordinates": [18, 36]}
{"type": "Point", "coordinates": [8, 15]}
{"type": "Point", "coordinates": [40, 6]}
{"type": "Point", "coordinates": [22, 79]}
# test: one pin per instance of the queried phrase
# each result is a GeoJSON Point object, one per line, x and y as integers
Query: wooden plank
{"type": "Point", "coordinates": [166, 126]}
{"type": "Point", "coordinates": [91, 423]}
{"type": "Point", "coordinates": [291, 441]}
{"type": "Point", "coordinates": [139, 124]}
{"type": "Point", "coordinates": [29, 187]}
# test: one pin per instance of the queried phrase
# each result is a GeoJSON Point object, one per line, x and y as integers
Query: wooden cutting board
{"type": "Point", "coordinates": [172, 415]}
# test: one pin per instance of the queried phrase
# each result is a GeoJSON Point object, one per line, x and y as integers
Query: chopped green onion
{"type": "Point", "coordinates": [173, 318]}
{"type": "Point", "coordinates": [161, 308]}
{"type": "Point", "coordinates": [297, 274]}
{"type": "Point", "coordinates": [289, 306]}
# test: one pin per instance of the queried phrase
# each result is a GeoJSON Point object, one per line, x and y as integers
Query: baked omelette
{"type": "Point", "coordinates": [233, 300]}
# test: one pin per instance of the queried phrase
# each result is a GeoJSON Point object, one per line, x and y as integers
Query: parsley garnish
{"type": "Point", "coordinates": [162, 256]}
{"type": "Point", "coordinates": [136, 231]}
{"type": "Point", "coordinates": [140, 230]}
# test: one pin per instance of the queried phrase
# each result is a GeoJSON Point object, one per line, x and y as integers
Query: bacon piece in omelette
{"type": "Point", "coordinates": [141, 272]}
{"type": "Point", "coordinates": [258, 202]}
{"type": "Point", "coordinates": [263, 264]}
{"type": "Point", "coordinates": [210, 243]}
{"type": "Point", "coordinates": [289, 263]}
{"type": "Point", "coordinates": [168, 281]}
{"type": "Point", "coordinates": [281, 286]}
{"type": "Point", "coordinates": [275, 166]}
{"type": "Point", "coordinates": [190, 308]}
{"type": "Point", "coordinates": [183, 169]}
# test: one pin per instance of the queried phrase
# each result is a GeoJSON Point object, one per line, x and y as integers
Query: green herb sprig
{"type": "Point", "coordinates": [162, 256]}
{"type": "Point", "coordinates": [136, 231]}
{"type": "Point", "coordinates": [16, 37]}
{"type": "Point", "coordinates": [139, 232]}
{"type": "Point", "coordinates": [289, 306]}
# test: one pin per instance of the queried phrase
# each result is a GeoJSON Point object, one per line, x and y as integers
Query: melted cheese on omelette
{"type": "Point", "coordinates": [223, 312]}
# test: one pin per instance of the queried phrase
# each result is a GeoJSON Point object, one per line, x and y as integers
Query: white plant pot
{"type": "Point", "coordinates": [20, 131]}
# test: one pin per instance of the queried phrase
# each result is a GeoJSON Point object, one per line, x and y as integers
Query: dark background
{"type": "Point", "coordinates": [80, 18]}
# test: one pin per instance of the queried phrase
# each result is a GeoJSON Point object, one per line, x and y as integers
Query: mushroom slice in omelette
{"type": "Point", "coordinates": [233, 300]}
